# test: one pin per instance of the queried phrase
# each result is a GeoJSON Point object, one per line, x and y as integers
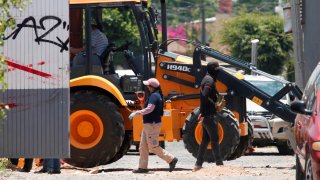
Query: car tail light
{"type": "Point", "coordinates": [316, 146]}
{"type": "Point", "coordinates": [257, 126]}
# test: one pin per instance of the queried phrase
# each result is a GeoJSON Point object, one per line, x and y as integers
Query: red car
{"type": "Point", "coordinates": [307, 129]}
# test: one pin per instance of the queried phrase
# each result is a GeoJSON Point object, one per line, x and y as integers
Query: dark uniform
{"type": "Point", "coordinates": [208, 96]}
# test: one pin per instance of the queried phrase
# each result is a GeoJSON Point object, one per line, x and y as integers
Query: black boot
{"type": "Point", "coordinates": [140, 170]}
{"type": "Point", "coordinates": [172, 164]}
{"type": "Point", "coordinates": [41, 171]}
{"type": "Point", "coordinates": [217, 155]}
{"type": "Point", "coordinates": [219, 162]}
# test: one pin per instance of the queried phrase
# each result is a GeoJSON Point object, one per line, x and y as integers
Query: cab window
{"type": "Point", "coordinates": [120, 26]}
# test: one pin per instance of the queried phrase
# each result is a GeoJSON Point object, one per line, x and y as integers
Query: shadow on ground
{"type": "Point", "coordinates": [268, 166]}
{"type": "Point", "coordinates": [265, 154]}
{"type": "Point", "coordinates": [150, 170]}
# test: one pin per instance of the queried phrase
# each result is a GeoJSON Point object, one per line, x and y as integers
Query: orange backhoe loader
{"type": "Point", "coordinates": [102, 96]}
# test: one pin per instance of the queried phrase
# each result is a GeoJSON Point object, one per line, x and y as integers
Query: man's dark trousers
{"type": "Point", "coordinates": [209, 132]}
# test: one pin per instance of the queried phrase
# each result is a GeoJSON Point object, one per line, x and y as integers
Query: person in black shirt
{"type": "Point", "coordinates": [151, 128]}
{"type": "Point", "coordinates": [208, 116]}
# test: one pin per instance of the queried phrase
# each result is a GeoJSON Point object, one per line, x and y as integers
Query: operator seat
{"type": "Point", "coordinates": [79, 64]}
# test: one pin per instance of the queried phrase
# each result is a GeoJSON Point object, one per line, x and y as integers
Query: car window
{"type": "Point", "coordinates": [311, 81]}
{"type": "Point", "coordinates": [317, 90]}
{"type": "Point", "coordinates": [310, 91]}
{"type": "Point", "coordinates": [318, 98]}
{"type": "Point", "coordinates": [311, 100]}
{"type": "Point", "coordinates": [270, 87]}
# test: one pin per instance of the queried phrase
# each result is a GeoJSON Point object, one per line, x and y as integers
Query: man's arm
{"type": "Point", "coordinates": [150, 107]}
{"type": "Point", "coordinates": [214, 93]}
{"type": "Point", "coordinates": [205, 93]}
{"type": "Point", "coordinates": [147, 110]}
{"type": "Point", "coordinates": [206, 90]}
{"type": "Point", "coordinates": [76, 50]}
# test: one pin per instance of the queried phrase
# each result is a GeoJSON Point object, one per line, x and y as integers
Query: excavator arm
{"type": "Point", "coordinates": [246, 89]}
{"type": "Point", "coordinates": [235, 86]}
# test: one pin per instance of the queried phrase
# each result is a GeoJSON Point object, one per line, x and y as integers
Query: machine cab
{"type": "Point", "coordinates": [126, 59]}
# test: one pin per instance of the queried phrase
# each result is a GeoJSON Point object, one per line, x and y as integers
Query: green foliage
{"type": "Point", "coordinates": [266, 6]}
{"type": "Point", "coordinates": [7, 21]}
{"type": "Point", "coordinates": [120, 26]}
{"type": "Point", "coordinates": [181, 11]}
{"type": "Point", "coordinates": [3, 67]}
{"type": "Point", "coordinates": [274, 46]}
{"type": "Point", "coordinates": [3, 163]}
{"type": "Point", "coordinates": [290, 71]}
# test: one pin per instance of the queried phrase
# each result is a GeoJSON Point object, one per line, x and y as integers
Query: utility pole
{"type": "Point", "coordinates": [254, 52]}
{"type": "Point", "coordinates": [300, 78]}
{"type": "Point", "coordinates": [203, 17]}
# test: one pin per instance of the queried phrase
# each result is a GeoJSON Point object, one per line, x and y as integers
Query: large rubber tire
{"type": "Point", "coordinates": [299, 172]}
{"type": "Point", "coordinates": [308, 171]}
{"type": "Point", "coordinates": [126, 144]}
{"type": "Point", "coordinates": [230, 138]}
{"type": "Point", "coordinates": [285, 148]}
{"type": "Point", "coordinates": [245, 142]}
{"type": "Point", "coordinates": [111, 129]}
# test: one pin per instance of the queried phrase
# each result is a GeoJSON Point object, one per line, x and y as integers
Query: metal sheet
{"type": "Point", "coordinates": [37, 54]}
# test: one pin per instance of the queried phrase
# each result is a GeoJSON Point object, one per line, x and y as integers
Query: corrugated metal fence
{"type": "Point", "coordinates": [36, 51]}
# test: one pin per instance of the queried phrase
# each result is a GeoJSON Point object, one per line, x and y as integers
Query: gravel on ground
{"type": "Point", "coordinates": [264, 163]}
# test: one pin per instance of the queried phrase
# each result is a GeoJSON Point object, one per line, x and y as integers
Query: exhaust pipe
{"type": "Point", "coordinates": [164, 24]}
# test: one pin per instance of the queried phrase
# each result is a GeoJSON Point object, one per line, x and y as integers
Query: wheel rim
{"type": "Point", "coordinates": [86, 129]}
{"type": "Point", "coordinates": [309, 170]}
{"type": "Point", "coordinates": [198, 134]}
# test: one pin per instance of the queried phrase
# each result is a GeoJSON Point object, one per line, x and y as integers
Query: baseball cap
{"type": "Point", "coordinates": [153, 82]}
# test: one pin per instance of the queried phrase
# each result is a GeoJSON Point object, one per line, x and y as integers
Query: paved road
{"type": "Point", "coordinates": [265, 163]}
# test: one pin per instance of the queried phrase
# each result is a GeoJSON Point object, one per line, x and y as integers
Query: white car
{"type": "Point", "coordinates": [268, 128]}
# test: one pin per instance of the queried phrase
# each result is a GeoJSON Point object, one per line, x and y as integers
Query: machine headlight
{"type": "Point", "coordinates": [316, 146]}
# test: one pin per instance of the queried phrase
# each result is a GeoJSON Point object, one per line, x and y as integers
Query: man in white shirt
{"type": "Point", "coordinates": [99, 42]}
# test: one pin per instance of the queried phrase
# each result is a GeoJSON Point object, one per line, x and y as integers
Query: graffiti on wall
{"type": "Point", "coordinates": [33, 74]}
{"type": "Point", "coordinates": [29, 68]}
{"type": "Point", "coordinates": [47, 25]}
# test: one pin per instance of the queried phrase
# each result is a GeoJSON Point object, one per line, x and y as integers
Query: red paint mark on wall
{"type": "Point", "coordinates": [41, 63]}
{"type": "Point", "coordinates": [11, 69]}
{"type": "Point", "coordinates": [8, 106]}
{"type": "Point", "coordinates": [27, 68]}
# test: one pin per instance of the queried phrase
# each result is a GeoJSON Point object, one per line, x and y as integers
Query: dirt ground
{"type": "Point", "coordinates": [264, 163]}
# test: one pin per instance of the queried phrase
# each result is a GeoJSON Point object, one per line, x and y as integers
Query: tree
{"type": "Point", "coordinates": [7, 21]}
{"type": "Point", "coordinates": [127, 31]}
{"type": "Point", "coordinates": [181, 11]}
{"type": "Point", "coordinates": [266, 6]}
{"type": "Point", "coordinates": [124, 23]}
{"type": "Point", "coordinates": [274, 46]}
